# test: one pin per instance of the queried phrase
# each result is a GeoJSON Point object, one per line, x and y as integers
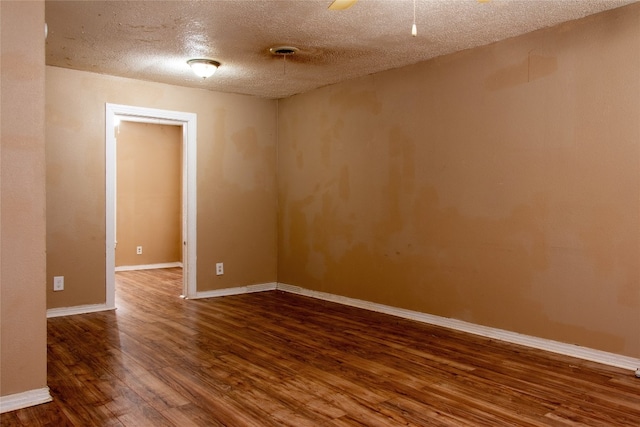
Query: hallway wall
{"type": "Point", "coordinates": [149, 194]}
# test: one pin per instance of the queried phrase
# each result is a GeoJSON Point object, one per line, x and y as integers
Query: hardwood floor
{"type": "Point", "coordinates": [277, 359]}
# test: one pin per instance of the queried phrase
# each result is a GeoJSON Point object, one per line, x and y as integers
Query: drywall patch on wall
{"type": "Point", "coordinates": [344, 188]}
{"type": "Point", "coordinates": [397, 192]}
{"type": "Point", "coordinates": [365, 100]}
{"type": "Point", "coordinates": [246, 167]}
{"type": "Point", "coordinates": [532, 68]}
{"type": "Point", "coordinates": [246, 142]}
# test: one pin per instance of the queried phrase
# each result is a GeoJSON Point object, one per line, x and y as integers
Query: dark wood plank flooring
{"type": "Point", "coordinates": [277, 359]}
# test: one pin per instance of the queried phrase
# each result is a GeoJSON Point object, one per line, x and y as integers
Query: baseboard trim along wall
{"type": "Point", "coordinates": [78, 309]}
{"type": "Point", "coordinates": [236, 291]}
{"type": "Point", "coordinates": [572, 350]}
{"type": "Point", "coordinates": [13, 402]}
{"type": "Point", "coordinates": [585, 353]}
{"type": "Point", "coordinates": [149, 266]}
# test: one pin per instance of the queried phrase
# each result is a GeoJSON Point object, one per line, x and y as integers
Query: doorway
{"type": "Point", "coordinates": [187, 122]}
{"type": "Point", "coordinates": [148, 196]}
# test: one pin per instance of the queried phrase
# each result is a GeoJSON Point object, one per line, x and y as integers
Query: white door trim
{"type": "Point", "coordinates": [188, 121]}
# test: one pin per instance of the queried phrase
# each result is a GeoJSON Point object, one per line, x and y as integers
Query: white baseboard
{"type": "Point", "coordinates": [25, 399]}
{"type": "Point", "coordinates": [599, 356]}
{"type": "Point", "coordinates": [149, 266]}
{"type": "Point", "coordinates": [236, 291]}
{"type": "Point", "coordinates": [572, 350]}
{"type": "Point", "coordinates": [79, 309]}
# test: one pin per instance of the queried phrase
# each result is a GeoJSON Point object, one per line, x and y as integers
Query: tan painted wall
{"type": "Point", "coordinates": [236, 175]}
{"type": "Point", "coordinates": [149, 193]}
{"type": "Point", "coordinates": [500, 185]}
{"type": "Point", "coordinates": [23, 326]}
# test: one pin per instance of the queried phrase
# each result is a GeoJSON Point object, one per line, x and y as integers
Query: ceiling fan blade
{"type": "Point", "coordinates": [342, 4]}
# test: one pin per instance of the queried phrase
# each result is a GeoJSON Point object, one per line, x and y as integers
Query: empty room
{"type": "Point", "coordinates": [318, 213]}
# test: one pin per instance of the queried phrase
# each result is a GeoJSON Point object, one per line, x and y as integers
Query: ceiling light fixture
{"type": "Point", "coordinates": [203, 67]}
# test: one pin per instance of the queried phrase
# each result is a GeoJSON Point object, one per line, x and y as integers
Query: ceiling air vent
{"type": "Point", "coordinates": [283, 50]}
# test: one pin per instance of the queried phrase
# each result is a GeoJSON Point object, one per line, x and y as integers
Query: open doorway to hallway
{"type": "Point", "coordinates": [148, 196]}
{"type": "Point", "coordinates": [115, 115]}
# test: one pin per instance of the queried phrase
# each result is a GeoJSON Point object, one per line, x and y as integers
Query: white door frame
{"type": "Point", "coordinates": [188, 122]}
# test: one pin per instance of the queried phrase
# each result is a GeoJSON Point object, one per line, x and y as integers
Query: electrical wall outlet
{"type": "Point", "coordinates": [58, 283]}
{"type": "Point", "coordinates": [219, 269]}
{"type": "Point", "coordinates": [139, 250]}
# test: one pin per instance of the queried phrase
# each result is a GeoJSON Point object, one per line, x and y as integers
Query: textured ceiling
{"type": "Point", "coordinates": [152, 40]}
